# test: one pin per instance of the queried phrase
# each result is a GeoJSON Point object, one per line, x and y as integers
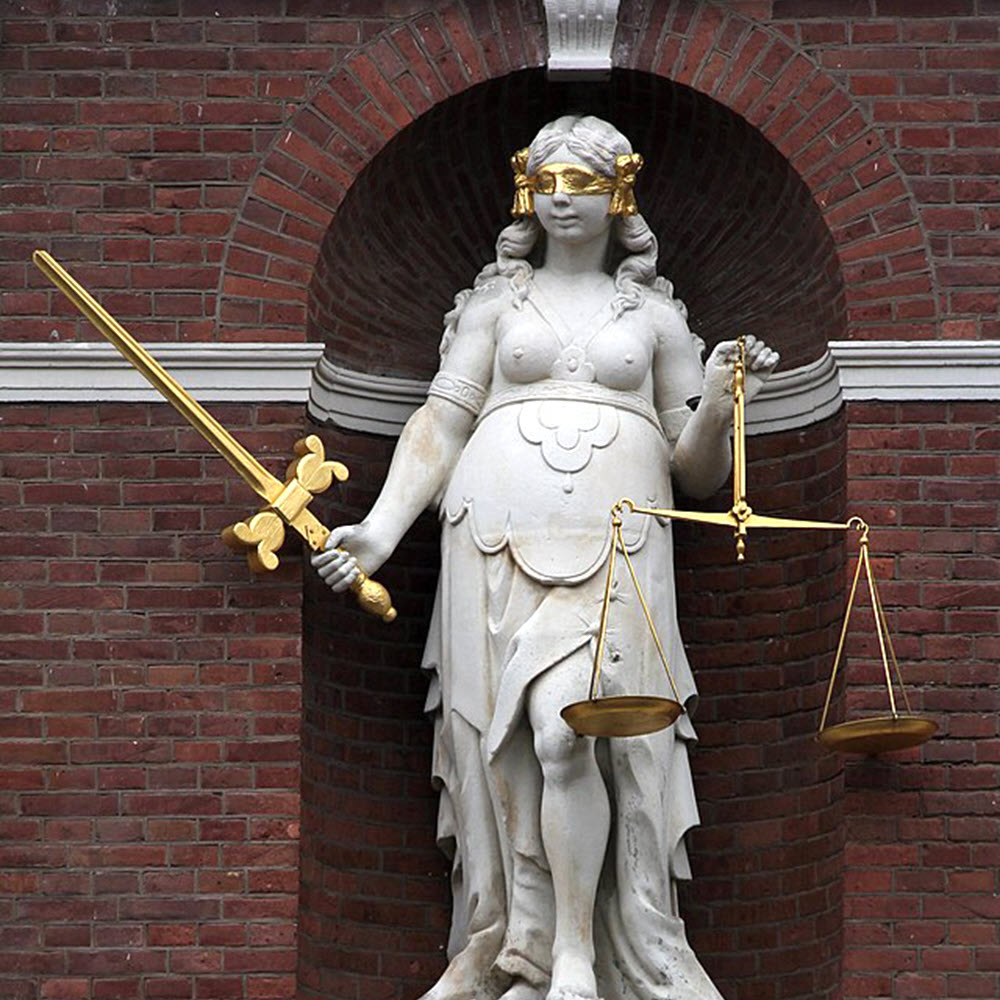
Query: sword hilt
{"type": "Point", "coordinates": [264, 533]}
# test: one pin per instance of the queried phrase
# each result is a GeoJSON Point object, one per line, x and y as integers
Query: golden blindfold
{"type": "Point", "coordinates": [572, 178]}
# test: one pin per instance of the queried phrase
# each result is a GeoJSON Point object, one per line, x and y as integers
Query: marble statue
{"type": "Point", "coordinates": [568, 379]}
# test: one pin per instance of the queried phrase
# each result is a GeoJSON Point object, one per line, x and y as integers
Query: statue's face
{"type": "Point", "coordinates": [571, 218]}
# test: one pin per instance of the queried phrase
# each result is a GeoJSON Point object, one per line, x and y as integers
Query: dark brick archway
{"type": "Point", "coordinates": [751, 69]}
{"type": "Point", "coordinates": [839, 153]}
{"type": "Point", "coordinates": [301, 182]}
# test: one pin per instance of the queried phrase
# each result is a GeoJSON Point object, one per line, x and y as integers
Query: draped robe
{"type": "Point", "coordinates": [526, 535]}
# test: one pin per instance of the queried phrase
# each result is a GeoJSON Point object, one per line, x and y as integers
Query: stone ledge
{"type": "Point", "coordinates": [903, 371]}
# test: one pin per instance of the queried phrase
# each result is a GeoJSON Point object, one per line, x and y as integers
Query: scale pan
{"type": "Point", "coordinates": [879, 734]}
{"type": "Point", "coordinates": [622, 715]}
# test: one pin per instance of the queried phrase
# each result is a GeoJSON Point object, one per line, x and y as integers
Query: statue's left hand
{"type": "Point", "coordinates": [760, 363]}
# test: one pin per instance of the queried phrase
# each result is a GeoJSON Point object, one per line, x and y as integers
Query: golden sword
{"type": "Point", "coordinates": [287, 502]}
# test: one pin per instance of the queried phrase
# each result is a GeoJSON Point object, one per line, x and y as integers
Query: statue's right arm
{"type": "Point", "coordinates": [424, 458]}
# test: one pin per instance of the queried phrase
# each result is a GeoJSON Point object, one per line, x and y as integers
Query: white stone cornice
{"type": "Point", "coordinates": [380, 404]}
{"type": "Point", "coordinates": [796, 398]}
{"type": "Point", "coordinates": [581, 36]}
{"type": "Point", "coordinates": [357, 401]}
{"type": "Point", "coordinates": [96, 372]}
{"type": "Point", "coordinates": [918, 370]}
{"type": "Point", "coordinates": [904, 371]}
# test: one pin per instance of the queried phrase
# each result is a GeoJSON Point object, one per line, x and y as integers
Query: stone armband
{"type": "Point", "coordinates": [674, 421]}
{"type": "Point", "coordinates": [462, 392]}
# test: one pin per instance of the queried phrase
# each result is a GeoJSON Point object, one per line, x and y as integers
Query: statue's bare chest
{"type": "Point", "coordinates": [535, 343]}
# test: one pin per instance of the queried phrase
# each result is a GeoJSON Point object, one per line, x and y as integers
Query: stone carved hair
{"type": "Point", "coordinates": [596, 143]}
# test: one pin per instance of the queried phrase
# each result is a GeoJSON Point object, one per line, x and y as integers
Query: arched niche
{"type": "Point", "coordinates": [740, 235]}
{"type": "Point", "coordinates": [748, 251]}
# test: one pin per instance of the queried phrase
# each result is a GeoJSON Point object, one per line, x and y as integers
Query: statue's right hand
{"type": "Point", "coordinates": [349, 550]}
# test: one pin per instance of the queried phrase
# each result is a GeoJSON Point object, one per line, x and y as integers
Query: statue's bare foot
{"type": "Point", "coordinates": [572, 978]}
{"type": "Point", "coordinates": [451, 987]}
{"type": "Point", "coordinates": [520, 989]}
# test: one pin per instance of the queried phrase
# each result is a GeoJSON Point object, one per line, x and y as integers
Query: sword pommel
{"type": "Point", "coordinates": [373, 597]}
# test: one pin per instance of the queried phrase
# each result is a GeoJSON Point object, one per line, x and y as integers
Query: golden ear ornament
{"type": "Point", "coordinates": [523, 204]}
{"type": "Point", "coordinates": [627, 165]}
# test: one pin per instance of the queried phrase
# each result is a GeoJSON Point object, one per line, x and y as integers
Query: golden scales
{"type": "Point", "coordinates": [635, 715]}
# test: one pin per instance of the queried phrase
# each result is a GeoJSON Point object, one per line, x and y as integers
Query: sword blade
{"type": "Point", "coordinates": [249, 469]}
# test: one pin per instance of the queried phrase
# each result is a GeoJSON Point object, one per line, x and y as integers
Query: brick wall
{"type": "Point", "coordinates": [186, 160]}
{"type": "Point", "coordinates": [921, 888]}
{"type": "Point", "coordinates": [149, 728]}
{"type": "Point", "coordinates": [764, 908]}
{"type": "Point", "coordinates": [375, 903]}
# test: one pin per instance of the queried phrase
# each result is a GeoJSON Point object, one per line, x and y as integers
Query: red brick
{"type": "Point", "coordinates": [66, 989]}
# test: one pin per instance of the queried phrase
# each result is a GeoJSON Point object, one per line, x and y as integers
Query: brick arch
{"type": "Point", "coordinates": [378, 91]}
{"type": "Point", "coordinates": [842, 158]}
{"type": "Point", "coordinates": [751, 69]}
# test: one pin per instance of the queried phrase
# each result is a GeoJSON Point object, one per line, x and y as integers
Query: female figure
{"type": "Point", "coordinates": [562, 388]}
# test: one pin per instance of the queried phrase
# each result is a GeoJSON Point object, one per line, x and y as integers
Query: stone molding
{"type": "Point", "coordinates": [905, 371]}
{"type": "Point", "coordinates": [918, 371]}
{"type": "Point", "coordinates": [381, 404]}
{"type": "Point", "coordinates": [902, 371]}
{"type": "Point", "coordinates": [581, 36]}
{"type": "Point", "coordinates": [96, 372]}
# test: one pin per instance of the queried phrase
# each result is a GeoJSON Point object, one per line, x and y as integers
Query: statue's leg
{"type": "Point", "coordinates": [575, 823]}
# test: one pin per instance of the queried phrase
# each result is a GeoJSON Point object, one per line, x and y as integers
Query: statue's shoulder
{"type": "Point", "coordinates": [476, 310]}
{"type": "Point", "coordinates": [491, 292]}
{"type": "Point", "coordinates": [666, 313]}
{"type": "Point", "coordinates": [481, 305]}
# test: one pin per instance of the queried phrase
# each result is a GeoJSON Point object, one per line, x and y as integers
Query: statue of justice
{"type": "Point", "coordinates": [568, 378]}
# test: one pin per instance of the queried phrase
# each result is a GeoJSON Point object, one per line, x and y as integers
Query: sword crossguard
{"type": "Point", "coordinates": [307, 476]}
{"type": "Point", "coordinates": [312, 469]}
{"type": "Point", "coordinates": [261, 536]}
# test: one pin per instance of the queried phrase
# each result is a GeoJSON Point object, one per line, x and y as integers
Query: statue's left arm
{"type": "Point", "coordinates": [702, 455]}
